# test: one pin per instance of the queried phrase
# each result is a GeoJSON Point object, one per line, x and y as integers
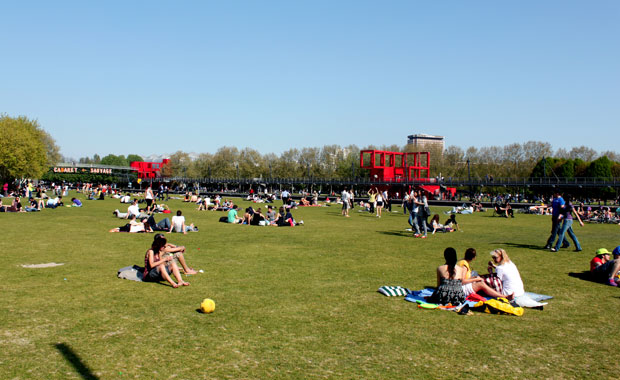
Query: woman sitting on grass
{"type": "Point", "coordinates": [285, 219]}
{"type": "Point", "coordinates": [512, 284]}
{"type": "Point", "coordinates": [438, 226]}
{"type": "Point", "coordinates": [472, 283]}
{"type": "Point", "coordinates": [159, 262]}
{"type": "Point", "coordinates": [449, 281]}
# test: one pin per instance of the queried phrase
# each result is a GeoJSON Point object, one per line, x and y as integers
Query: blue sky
{"type": "Point", "coordinates": [151, 77]}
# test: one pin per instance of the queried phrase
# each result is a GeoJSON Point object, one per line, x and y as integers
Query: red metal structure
{"type": "Point", "coordinates": [387, 166]}
{"type": "Point", "coordinates": [149, 169]}
{"type": "Point", "coordinates": [396, 166]}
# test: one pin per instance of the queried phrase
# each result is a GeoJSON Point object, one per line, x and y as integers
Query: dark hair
{"type": "Point", "coordinates": [159, 241]}
{"type": "Point", "coordinates": [179, 212]}
{"type": "Point", "coordinates": [450, 255]}
{"type": "Point", "coordinates": [234, 207]}
{"type": "Point", "coordinates": [470, 254]}
{"type": "Point", "coordinates": [435, 218]}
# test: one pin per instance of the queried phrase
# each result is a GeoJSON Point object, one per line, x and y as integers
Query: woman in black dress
{"type": "Point", "coordinates": [449, 281]}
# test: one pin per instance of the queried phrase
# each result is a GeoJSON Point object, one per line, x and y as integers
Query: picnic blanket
{"type": "Point", "coordinates": [529, 299]}
{"type": "Point", "coordinates": [133, 273]}
{"type": "Point", "coordinates": [393, 291]}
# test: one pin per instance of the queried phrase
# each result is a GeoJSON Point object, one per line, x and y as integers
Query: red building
{"type": "Point", "coordinates": [396, 166]}
{"type": "Point", "coordinates": [387, 166]}
{"type": "Point", "coordinates": [149, 169]}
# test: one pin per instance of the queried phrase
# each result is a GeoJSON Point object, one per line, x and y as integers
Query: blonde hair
{"type": "Point", "coordinates": [502, 255]}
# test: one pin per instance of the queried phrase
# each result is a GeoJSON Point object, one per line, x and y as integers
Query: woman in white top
{"type": "Point", "coordinates": [379, 203]}
{"type": "Point", "coordinates": [148, 197]}
{"type": "Point", "coordinates": [508, 273]}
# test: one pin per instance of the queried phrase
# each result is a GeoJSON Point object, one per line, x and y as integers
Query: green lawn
{"type": "Point", "coordinates": [292, 303]}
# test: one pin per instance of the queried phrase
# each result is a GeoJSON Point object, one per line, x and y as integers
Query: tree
{"type": "Point", "coordinates": [27, 150]}
{"type": "Point", "coordinates": [114, 160]}
{"type": "Point", "coordinates": [600, 168]}
{"type": "Point", "coordinates": [133, 158]}
{"type": "Point", "coordinates": [178, 166]}
{"type": "Point", "coordinates": [583, 152]}
{"type": "Point", "coordinates": [566, 169]}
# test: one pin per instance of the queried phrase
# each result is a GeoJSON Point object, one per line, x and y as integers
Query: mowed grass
{"type": "Point", "coordinates": [292, 303]}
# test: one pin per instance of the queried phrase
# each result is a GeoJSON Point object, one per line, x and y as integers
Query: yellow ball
{"type": "Point", "coordinates": [207, 305]}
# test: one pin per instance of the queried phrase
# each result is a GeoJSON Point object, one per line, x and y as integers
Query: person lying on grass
{"type": "Point", "coordinates": [159, 262]}
{"type": "Point", "coordinates": [253, 217]}
{"type": "Point", "coordinates": [603, 268]}
{"type": "Point", "coordinates": [438, 226]}
{"type": "Point", "coordinates": [452, 223]}
{"type": "Point", "coordinates": [472, 283]}
{"type": "Point", "coordinates": [134, 226]}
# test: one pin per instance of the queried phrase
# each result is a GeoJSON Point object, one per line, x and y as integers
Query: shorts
{"type": "Point", "coordinates": [149, 202]}
{"type": "Point", "coordinates": [155, 276]}
{"type": "Point", "coordinates": [379, 204]}
{"type": "Point", "coordinates": [468, 289]}
{"type": "Point", "coordinates": [346, 205]}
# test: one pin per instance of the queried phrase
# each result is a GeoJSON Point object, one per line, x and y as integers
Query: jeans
{"type": "Point", "coordinates": [162, 225]}
{"type": "Point", "coordinates": [555, 230]}
{"type": "Point", "coordinates": [420, 220]}
{"type": "Point", "coordinates": [566, 227]}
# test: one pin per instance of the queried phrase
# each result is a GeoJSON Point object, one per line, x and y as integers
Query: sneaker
{"type": "Point", "coordinates": [565, 245]}
{"type": "Point", "coordinates": [547, 247]}
{"type": "Point", "coordinates": [416, 235]}
{"type": "Point", "coordinates": [612, 282]}
{"type": "Point", "coordinates": [423, 237]}
{"type": "Point", "coordinates": [553, 250]}
{"type": "Point", "coordinates": [301, 222]}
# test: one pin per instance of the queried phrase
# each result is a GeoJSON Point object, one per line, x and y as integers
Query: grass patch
{"type": "Point", "coordinates": [291, 302]}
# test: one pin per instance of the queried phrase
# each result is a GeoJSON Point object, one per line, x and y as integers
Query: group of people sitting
{"type": "Point", "coordinates": [140, 222]}
{"type": "Point", "coordinates": [456, 280]}
{"type": "Point", "coordinates": [283, 218]}
{"type": "Point", "coordinates": [35, 204]}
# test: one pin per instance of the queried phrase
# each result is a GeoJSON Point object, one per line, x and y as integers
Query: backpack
{"type": "Point", "coordinates": [498, 306]}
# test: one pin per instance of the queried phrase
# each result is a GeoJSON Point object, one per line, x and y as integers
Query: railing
{"type": "Point", "coordinates": [579, 182]}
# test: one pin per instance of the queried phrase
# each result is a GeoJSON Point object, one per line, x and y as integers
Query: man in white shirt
{"type": "Point", "coordinates": [345, 202]}
{"type": "Point", "coordinates": [178, 224]}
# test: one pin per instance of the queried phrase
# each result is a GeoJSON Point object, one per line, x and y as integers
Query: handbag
{"type": "Point", "coordinates": [427, 211]}
{"type": "Point", "coordinates": [493, 282]}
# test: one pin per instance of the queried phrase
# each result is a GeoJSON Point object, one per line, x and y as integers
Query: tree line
{"type": "Point", "coordinates": [530, 159]}
{"type": "Point", "coordinates": [28, 151]}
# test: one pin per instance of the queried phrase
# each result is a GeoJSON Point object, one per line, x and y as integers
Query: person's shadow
{"type": "Point", "coordinates": [76, 361]}
{"type": "Point", "coordinates": [521, 245]}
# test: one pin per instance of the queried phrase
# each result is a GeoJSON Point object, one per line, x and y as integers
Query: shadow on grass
{"type": "Point", "coordinates": [397, 233]}
{"type": "Point", "coordinates": [519, 245]}
{"type": "Point", "coordinates": [75, 361]}
{"type": "Point", "coordinates": [585, 276]}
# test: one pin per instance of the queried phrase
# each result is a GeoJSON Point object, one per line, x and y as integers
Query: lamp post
{"type": "Point", "coordinates": [469, 179]}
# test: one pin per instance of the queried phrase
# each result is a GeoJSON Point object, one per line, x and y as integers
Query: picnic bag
{"type": "Point", "coordinates": [498, 306]}
{"type": "Point", "coordinates": [493, 281]}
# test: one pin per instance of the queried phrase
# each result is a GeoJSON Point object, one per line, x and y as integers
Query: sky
{"type": "Point", "coordinates": [155, 77]}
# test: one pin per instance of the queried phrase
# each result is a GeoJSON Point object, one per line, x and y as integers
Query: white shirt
{"type": "Point", "coordinates": [177, 223]}
{"type": "Point", "coordinates": [133, 210]}
{"type": "Point", "coordinates": [511, 279]}
{"type": "Point", "coordinates": [345, 196]}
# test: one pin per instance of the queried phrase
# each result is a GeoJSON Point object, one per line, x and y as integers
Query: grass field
{"type": "Point", "coordinates": [292, 303]}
